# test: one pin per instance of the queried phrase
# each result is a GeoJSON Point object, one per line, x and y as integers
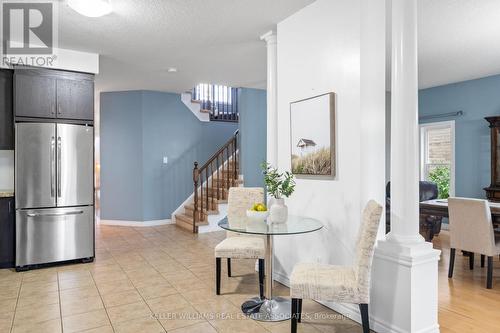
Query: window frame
{"type": "Point", "coordinates": [423, 128]}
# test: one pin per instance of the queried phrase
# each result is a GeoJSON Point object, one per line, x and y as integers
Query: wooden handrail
{"type": "Point", "coordinates": [207, 184]}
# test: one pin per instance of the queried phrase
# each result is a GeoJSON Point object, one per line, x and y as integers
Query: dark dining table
{"type": "Point", "coordinates": [439, 207]}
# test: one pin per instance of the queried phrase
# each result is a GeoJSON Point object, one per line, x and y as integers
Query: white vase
{"type": "Point", "coordinates": [279, 211]}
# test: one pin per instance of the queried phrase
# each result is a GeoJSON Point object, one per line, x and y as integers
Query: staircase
{"type": "Point", "coordinates": [211, 102]}
{"type": "Point", "coordinates": [211, 183]}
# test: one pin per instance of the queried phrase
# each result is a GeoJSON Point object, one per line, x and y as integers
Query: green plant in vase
{"type": "Point", "coordinates": [280, 186]}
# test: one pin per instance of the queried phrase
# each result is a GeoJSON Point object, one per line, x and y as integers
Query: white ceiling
{"type": "Point", "coordinates": [218, 41]}
{"type": "Point", "coordinates": [458, 40]}
{"type": "Point", "coordinates": [207, 40]}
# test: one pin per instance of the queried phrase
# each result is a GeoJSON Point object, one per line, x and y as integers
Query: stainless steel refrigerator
{"type": "Point", "coordinates": [54, 186]}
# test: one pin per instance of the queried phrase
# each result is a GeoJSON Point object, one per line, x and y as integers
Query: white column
{"type": "Point", "coordinates": [404, 129]}
{"type": "Point", "coordinates": [272, 97]}
{"type": "Point", "coordinates": [404, 294]}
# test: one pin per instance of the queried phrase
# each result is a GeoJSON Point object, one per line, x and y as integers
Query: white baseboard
{"type": "Point", "coordinates": [150, 223]}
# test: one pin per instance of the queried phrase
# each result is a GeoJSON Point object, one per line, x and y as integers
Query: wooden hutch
{"type": "Point", "coordinates": [493, 191]}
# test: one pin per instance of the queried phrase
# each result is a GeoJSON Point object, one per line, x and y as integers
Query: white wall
{"type": "Point", "coordinates": [328, 47]}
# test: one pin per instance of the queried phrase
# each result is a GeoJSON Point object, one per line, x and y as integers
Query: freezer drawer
{"type": "Point", "coordinates": [56, 234]}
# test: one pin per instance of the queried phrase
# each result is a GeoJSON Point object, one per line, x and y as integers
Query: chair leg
{"type": "Point", "coordinates": [294, 314]}
{"type": "Point", "coordinates": [482, 260]}
{"type": "Point", "coordinates": [299, 310]}
{"type": "Point", "coordinates": [471, 260]}
{"type": "Point", "coordinates": [261, 277]}
{"type": "Point", "coordinates": [452, 263]}
{"type": "Point", "coordinates": [229, 267]}
{"type": "Point", "coordinates": [363, 308]}
{"type": "Point", "coordinates": [217, 275]}
{"type": "Point", "coordinates": [489, 279]}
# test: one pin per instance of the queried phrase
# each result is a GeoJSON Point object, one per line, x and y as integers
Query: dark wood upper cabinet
{"type": "Point", "coordinates": [6, 110]}
{"type": "Point", "coordinates": [35, 96]}
{"type": "Point", "coordinates": [75, 99]}
{"type": "Point", "coordinates": [45, 93]}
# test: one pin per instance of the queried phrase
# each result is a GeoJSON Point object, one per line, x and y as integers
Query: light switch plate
{"type": "Point", "coordinates": [165, 159]}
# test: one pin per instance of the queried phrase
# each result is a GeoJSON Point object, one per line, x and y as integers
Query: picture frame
{"type": "Point", "coordinates": [312, 137]}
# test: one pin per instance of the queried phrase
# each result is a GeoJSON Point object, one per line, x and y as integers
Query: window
{"type": "Point", "coordinates": [437, 160]}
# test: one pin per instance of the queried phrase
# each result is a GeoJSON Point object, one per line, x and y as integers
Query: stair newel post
{"type": "Point", "coordinates": [196, 176]}
{"type": "Point", "coordinates": [235, 160]}
{"type": "Point", "coordinates": [218, 184]}
{"type": "Point", "coordinates": [212, 184]}
{"type": "Point", "coordinates": [206, 187]}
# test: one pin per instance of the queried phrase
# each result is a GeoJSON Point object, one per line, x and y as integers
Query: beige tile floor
{"type": "Point", "coordinates": [158, 279]}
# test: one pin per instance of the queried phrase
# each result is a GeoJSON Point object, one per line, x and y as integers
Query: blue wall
{"type": "Point", "coordinates": [121, 156]}
{"type": "Point", "coordinates": [253, 133]}
{"type": "Point", "coordinates": [478, 99]}
{"type": "Point", "coordinates": [162, 126]}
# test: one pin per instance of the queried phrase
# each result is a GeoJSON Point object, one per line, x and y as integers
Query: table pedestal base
{"type": "Point", "coordinates": [274, 309]}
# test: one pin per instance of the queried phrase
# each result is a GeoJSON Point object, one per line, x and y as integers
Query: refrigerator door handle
{"type": "Point", "coordinates": [52, 167]}
{"type": "Point", "coordinates": [76, 212]}
{"type": "Point", "coordinates": [59, 167]}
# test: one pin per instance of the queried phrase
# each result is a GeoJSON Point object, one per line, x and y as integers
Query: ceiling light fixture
{"type": "Point", "coordinates": [172, 70]}
{"type": "Point", "coordinates": [91, 8]}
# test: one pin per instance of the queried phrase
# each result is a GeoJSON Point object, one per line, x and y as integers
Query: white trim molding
{"type": "Point", "coordinates": [195, 108]}
{"type": "Point", "coordinates": [124, 223]}
{"type": "Point", "coordinates": [64, 59]}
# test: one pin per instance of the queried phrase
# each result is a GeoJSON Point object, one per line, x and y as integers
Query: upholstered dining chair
{"type": "Point", "coordinates": [471, 230]}
{"type": "Point", "coordinates": [237, 246]}
{"type": "Point", "coordinates": [344, 284]}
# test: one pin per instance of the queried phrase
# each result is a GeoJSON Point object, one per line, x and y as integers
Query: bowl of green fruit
{"type": "Point", "coordinates": [258, 212]}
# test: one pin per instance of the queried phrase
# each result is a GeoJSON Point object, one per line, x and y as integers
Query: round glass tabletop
{"type": "Point", "coordinates": [294, 225]}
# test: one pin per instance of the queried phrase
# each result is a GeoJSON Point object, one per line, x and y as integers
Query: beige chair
{"type": "Point", "coordinates": [237, 246]}
{"type": "Point", "coordinates": [471, 230]}
{"type": "Point", "coordinates": [344, 284]}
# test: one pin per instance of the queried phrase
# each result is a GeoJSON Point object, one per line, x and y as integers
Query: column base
{"type": "Point", "coordinates": [405, 286]}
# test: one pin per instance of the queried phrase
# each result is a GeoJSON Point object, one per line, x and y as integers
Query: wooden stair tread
{"type": "Point", "coordinates": [209, 212]}
{"type": "Point", "coordinates": [189, 220]}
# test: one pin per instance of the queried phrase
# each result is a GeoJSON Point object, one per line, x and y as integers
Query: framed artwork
{"type": "Point", "coordinates": [312, 133]}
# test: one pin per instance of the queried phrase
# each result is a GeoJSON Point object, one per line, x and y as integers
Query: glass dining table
{"type": "Point", "coordinates": [270, 308]}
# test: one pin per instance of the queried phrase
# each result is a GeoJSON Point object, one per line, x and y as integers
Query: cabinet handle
{"type": "Point", "coordinates": [59, 110]}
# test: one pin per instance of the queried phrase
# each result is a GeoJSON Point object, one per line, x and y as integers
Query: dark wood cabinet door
{"type": "Point", "coordinates": [75, 99]}
{"type": "Point", "coordinates": [35, 96]}
{"type": "Point", "coordinates": [6, 110]}
{"type": "Point", "coordinates": [7, 233]}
